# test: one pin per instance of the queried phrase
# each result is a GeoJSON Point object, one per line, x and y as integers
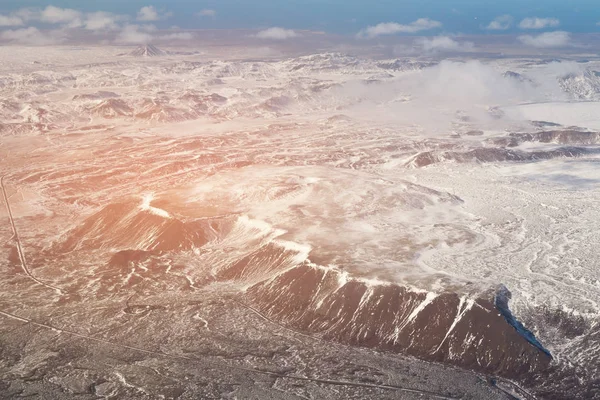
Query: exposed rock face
{"type": "Point", "coordinates": [491, 154]}
{"type": "Point", "coordinates": [584, 86]}
{"type": "Point", "coordinates": [476, 332]}
{"type": "Point", "coordinates": [505, 148]}
{"type": "Point", "coordinates": [563, 137]}
{"type": "Point", "coordinates": [405, 65]}
{"type": "Point", "coordinates": [516, 76]}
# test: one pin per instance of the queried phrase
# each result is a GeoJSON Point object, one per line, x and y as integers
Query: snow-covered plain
{"type": "Point", "coordinates": [582, 114]}
{"type": "Point", "coordinates": [392, 171]}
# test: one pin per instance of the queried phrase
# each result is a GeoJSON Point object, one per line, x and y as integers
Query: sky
{"type": "Point", "coordinates": [543, 23]}
{"type": "Point", "coordinates": [345, 16]}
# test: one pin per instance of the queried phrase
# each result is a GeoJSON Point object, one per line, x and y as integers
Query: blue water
{"type": "Point", "coordinates": [346, 16]}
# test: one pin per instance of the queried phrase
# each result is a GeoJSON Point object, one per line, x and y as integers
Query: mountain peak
{"type": "Point", "coordinates": [148, 50]}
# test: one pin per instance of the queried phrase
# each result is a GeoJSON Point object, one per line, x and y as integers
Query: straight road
{"type": "Point", "coordinates": [18, 242]}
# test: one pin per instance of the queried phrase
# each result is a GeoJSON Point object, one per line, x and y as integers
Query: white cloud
{"type": "Point", "coordinates": [501, 23]}
{"type": "Point", "coordinates": [27, 14]}
{"type": "Point", "coordinates": [448, 87]}
{"type": "Point", "coordinates": [207, 13]}
{"type": "Point", "coordinates": [470, 82]}
{"type": "Point", "coordinates": [390, 28]}
{"type": "Point", "coordinates": [65, 17]}
{"type": "Point", "coordinates": [444, 43]}
{"type": "Point", "coordinates": [436, 44]}
{"type": "Point", "coordinates": [547, 40]}
{"type": "Point", "coordinates": [10, 20]}
{"type": "Point", "coordinates": [101, 21]}
{"type": "Point", "coordinates": [56, 15]}
{"type": "Point", "coordinates": [149, 13]}
{"type": "Point", "coordinates": [135, 34]}
{"type": "Point", "coordinates": [31, 36]}
{"type": "Point", "coordinates": [276, 33]}
{"type": "Point", "coordinates": [146, 34]}
{"type": "Point", "coordinates": [539, 23]}
{"type": "Point", "coordinates": [178, 36]}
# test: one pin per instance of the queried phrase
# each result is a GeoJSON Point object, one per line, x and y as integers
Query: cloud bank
{"type": "Point", "coordinates": [10, 20]}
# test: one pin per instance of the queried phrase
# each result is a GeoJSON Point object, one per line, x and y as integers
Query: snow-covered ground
{"type": "Point", "coordinates": [581, 114]}
{"type": "Point", "coordinates": [396, 171]}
